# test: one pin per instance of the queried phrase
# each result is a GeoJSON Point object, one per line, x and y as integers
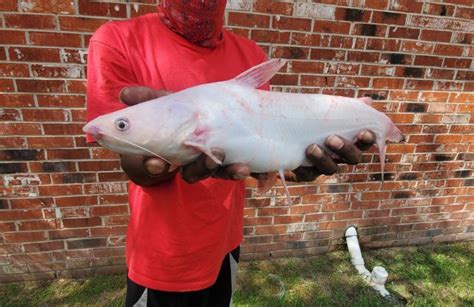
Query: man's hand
{"type": "Point", "coordinates": [343, 151]}
{"type": "Point", "coordinates": [150, 171]}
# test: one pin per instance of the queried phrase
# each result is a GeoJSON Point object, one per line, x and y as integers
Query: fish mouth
{"type": "Point", "coordinates": [93, 130]}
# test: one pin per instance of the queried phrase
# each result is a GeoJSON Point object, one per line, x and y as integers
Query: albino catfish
{"type": "Point", "coordinates": [269, 131]}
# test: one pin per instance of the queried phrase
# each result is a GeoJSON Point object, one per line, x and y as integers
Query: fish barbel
{"type": "Point", "coordinates": [268, 131]}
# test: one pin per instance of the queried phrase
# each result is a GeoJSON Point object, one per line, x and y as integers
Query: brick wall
{"type": "Point", "coordinates": [63, 210]}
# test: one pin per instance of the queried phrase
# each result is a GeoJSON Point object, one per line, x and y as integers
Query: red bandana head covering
{"type": "Point", "coordinates": [198, 21]}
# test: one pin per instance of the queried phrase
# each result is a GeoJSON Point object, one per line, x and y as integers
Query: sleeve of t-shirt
{"type": "Point", "coordinates": [108, 72]}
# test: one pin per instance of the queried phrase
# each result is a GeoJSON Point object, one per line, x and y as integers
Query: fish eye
{"type": "Point", "coordinates": [122, 124]}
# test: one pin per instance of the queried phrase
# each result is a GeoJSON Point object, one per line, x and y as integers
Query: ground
{"type": "Point", "coordinates": [436, 275]}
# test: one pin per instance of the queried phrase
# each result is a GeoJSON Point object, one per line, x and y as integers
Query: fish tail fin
{"type": "Point", "coordinates": [260, 74]}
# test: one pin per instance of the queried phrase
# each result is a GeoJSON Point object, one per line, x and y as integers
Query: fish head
{"type": "Point", "coordinates": [152, 128]}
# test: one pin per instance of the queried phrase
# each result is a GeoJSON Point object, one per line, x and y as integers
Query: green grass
{"type": "Point", "coordinates": [438, 275]}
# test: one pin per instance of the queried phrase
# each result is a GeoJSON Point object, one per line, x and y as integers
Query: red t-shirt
{"type": "Point", "coordinates": [178, 233]}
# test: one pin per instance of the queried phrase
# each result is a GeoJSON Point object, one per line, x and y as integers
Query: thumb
{"type": "Point", "coordinates": [155, 166]}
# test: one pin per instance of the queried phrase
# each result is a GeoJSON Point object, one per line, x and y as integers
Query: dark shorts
{"type": "Point", "coordinates": [217, 295]}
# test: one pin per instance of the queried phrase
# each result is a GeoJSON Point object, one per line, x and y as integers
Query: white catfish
{"type": "Point", "coordinates": [269, 131]}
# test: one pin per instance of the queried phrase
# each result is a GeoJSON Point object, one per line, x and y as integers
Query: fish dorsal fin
{"type": "Point", "coordinates": [260, 74]}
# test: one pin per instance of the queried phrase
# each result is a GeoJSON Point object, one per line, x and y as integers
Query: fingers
{"type": "Point", "coordinates": [321, 160]}
{"type": "Point", "coordinates": [237, 171]}
{"type": "Point", "coordinates": [133, 95]}
{"type": "Point", "coordinates": [202, 168]}
{"type": "Point", "coordinates": [303, 174]}
{"type": "Point", "coordinates": [155, 166]}
{"type": "Point", "coordinates": [346, 150]}
{"type": "Point", "coordinates": [365, 139]}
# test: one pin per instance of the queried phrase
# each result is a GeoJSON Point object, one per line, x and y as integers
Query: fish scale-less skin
{"type": "Point", "coordinates": [269, 131]}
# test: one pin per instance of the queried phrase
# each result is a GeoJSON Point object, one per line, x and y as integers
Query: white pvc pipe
{"type": "Point", "coordinates": [379, 275]}
{"type": "Point", "coordinates": [354, 250]}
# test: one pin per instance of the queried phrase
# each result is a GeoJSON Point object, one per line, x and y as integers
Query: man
{"type": "Point", "coordinates": [186, 225]}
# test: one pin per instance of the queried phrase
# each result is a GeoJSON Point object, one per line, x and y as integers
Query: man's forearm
{"type": "Point", "coordinates": [134, 167]}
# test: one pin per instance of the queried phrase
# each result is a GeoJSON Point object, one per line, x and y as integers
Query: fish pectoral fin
{"type": "Point", "coordinates": [204, 149]}
{"type": "Point", "coordinates": [260, 74]}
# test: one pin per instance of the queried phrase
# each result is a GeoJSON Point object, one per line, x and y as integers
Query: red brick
{"type": "Point", "coordinates": [37, 225]}
{"type": "Point", "coordinates": [388, 17]}
{"type": "Point", "coordinates": [34, 54]}
{"type": "Point", "coordinates": [44, 115]}
{"type": "Point", "coordinates": [20, 129]}
{"type": "Point", "coordinates": [59, 190]}
{"type": "Point", "coordinates": [41, 86]}
{"type": "Point", "coordinates": [50, 142]}
{"type": "Point", "coordinates": [406, 6]}
{"type": "Point", "coordinates": [43, 246]}
{"type": "Point", "coordinates": [15, 237]}
{"type": "Point", "coordinates": [288, 23]}
{"type": "Point", "coordinates": [308, 80]}
{"type": "Point", "coordinates": [377, 70]}
{"type": "Point", "coordinates": [248, 20]}
{"type": "Point", "coordinates": [29, 21]}
{"type": "Point", "coordinates": [61, 100]}
{"type": "Point", "coordinates": [287, 219]}
{"type": "Point", "coordinates": [327, 54]}
{"type": "Point", "coordinates": [109, 210]}
{"type": "Point", "coordinates": [12, 37]}
{"type": "Point", "coordinates": [273, 7]}
{"type": "Point", "coordinates": [82, 24]}
{"type": "Point", "coordinates": [56, 7]}
{"type": "Point", "coordinates": [440, 74]}
{"type": "Point", "coordinates": [265, 230]}
{"type": "Point", "coordinates": [76, 87]}
{"type": "Point", "coordinates": [331, 27]}
{"type": "Point", "coordinates": [306, 67]}
{"type": "Point", "coordinates": [284, 79]}
{"type": "Point", "coordinates": [400, 32]}
{"type": "Point", "coordinates": [8, 5]}
{"type": "Point", "coordinates": [419, 84]}
{"type": "Point", "coordinates": [388, 83]}
{"type": "Point", "coordinates": [291, 52]}
{"type": "Point", "coordinates": [450, 50]}
{"type": "Point", "coordinates": [109, 232]}
{"type": "Point", "coordinates": [360, 56]}
{"type": "Point", "coordinates": [428, 61]}
{"type": "Point", "coordinates": [369, 29]}
{"type": "Point", "coordinates": [50, 71]}
{"type": "Point", "coordinates": [253, 221]}
{"type": "Point", "coordinates": [82, 222]}
{"type": "Point", "coordinates": [13, 70]}
{"type": "Point", "coordinates": [268, 36]}
{"type": "Point", "coordinates": [465, 13]}
{"type": "Point", "coordinates": [55, 39]}
{"type": "Point", "coordinates": [435, 36]}
{"type": "Point", "coordinates": [438, 9]}
{"type": "Point", "coordinates": [92, 8]}
{"type": "Point", "coordinates": [309, 39]}
{"type": "Point", "coordinates": [341, 42]}
{"type": "Point", "coordinates": [62, 128]}
{"type": "Point", "coordinates": [6, 85]}
{"type": "Point", "coordinates": [417, 47]}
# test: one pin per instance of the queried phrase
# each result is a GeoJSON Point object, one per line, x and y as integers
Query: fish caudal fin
{"type": "Point", "coordinates": [260, 74]}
